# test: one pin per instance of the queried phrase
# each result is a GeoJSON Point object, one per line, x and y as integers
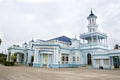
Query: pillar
{"type": "Point", "coordinates": [97, 39]}
{"type": "Point", "coordinates": [112, 65]}
{"type": "Point", "coordinates": [91, 39]}
{"type": "Point", "coordinates": [24, 61]}
{"type": "Point", "coordinates": [36, 60]}
{"type": "Point", "coordinates": [106, 40]}
{"type": "Point", "coordinates": [18, 58]}
{"type": "Point", "coordinates": [54, 60]}
{"type": "Point", "coordinates": [29, 58]}
{"type": "Point", "coordinates": [84, 41]}
{"type": "Point", "coordinates": [8, 56]}
{"type": "Point", "coordinates": [48, 62]}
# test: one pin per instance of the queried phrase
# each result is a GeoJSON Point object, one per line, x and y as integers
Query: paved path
{"type": "Point", "coordinates": [29, 73]}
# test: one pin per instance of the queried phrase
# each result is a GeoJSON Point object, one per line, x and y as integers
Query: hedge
{"type": "Point", "coordinates": [9, 63]}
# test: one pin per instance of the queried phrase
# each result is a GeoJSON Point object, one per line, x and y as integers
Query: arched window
{"type": "Point", "coordinates": [89, 61]}
{"type": "Point", "coordinates": [65, 58]}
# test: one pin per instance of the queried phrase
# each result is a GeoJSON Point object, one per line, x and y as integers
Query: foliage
{"type": "Point", "coordinates": [13, 57]}
{"type": "Point", "coordinates": [9, 63]}
{"type": "Point", "coordinates": [2, 58]}
{"type": "Point", "coordinates": [0, 41]}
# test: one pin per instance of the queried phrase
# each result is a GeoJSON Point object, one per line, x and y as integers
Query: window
{"type": "Point", "coordinates": [106, 62]}
{"type": "Point", "coordinates": [92, 21]}
{"type": "Point", "coordinates": [97, 61]}
{"type": "Point", "coordinates": [73, 58]}
{"type": "Point", "coordinates": [78, 59]}
{"type": "Point", "coordinates": [65, 58]}
{"type": "Point", "coordinates": [90, 30]}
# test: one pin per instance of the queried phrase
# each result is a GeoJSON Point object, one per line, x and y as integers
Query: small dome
{"type": "Point", "coordinates": [32, 40]}
{"type": "Point", "coordinates": [25, 43]}
{"type": "Point", "coordinates": [91, 15]}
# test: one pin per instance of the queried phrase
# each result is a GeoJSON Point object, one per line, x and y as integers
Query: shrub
{"type": "Point", "coordinates": [9, 63]}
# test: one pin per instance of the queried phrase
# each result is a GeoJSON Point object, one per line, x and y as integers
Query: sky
{"type": "Point", "coordinates": [22, 20]}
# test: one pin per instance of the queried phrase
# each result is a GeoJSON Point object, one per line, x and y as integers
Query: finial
{"type": "Point", "coordinates": [91, 11]}
{"type": "Point", "coordinates": [32, 40]}
{"type": "Point", "coordinates": [25, 42]}
{"type": "Point", "coordinates": [75, 37]}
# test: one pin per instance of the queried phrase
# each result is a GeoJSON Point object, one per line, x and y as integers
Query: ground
{"type": "Point", "coordinates": [82, 73]}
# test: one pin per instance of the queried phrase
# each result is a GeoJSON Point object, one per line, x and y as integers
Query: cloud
{"type": "Point", "coordinates": [38, 1]}
{"type": "Point", "coordinates": [22, 20]}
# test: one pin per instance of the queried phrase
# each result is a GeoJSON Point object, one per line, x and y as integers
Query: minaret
{"type": "Point", "coordinates": [92, 26]}
{"type": "Point", "coordinates": [93, 38]}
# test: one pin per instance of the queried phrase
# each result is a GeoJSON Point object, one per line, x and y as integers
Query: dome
{"type": "Point", "coordinates": [91, 15]}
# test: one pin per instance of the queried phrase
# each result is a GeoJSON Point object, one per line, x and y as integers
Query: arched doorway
{"type": "Point", "coordinates": [116, 61]}
{"type": "Point", "coordinates": [89, 61]}
{"type": "Point", "coordinates": [19, 57]}
{"type": "Point", "coordinates": [45, 60]}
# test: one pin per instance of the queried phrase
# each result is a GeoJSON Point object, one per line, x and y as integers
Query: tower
{"type": "Point", "coordinates": [93, 38]}
{"type": "Point", "coordinates": [92, 26]}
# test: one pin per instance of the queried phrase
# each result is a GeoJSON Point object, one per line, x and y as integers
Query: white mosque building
{"type": "Point", "coordinates": [90, 50]}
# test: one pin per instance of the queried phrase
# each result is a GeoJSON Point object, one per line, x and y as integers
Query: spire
{"type": "Point", "coordinates": [75, 37]}
{"type": "Point", "coordinates": [32, 40]}
{"type": "Point", "coordinates": [91, 14]}
{"type": "Point", "coordinates": [25, 43]}
{"type": "Point", "coordinates": [91, 11]}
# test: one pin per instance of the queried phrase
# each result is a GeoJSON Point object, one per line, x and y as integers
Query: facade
{"type": "Point", "coordinates": [91, 49]}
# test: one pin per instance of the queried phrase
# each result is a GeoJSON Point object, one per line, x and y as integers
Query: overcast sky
{"type": "Point", "coordinates": [22, 20]}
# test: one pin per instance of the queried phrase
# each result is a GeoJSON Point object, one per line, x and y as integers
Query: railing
{"type": "Point", "coordinates": [93, 33]}
{"type": "Point", "coordinates": [92, 45]}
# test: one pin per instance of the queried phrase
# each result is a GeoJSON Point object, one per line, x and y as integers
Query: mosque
{"type": "Point", "coordinates": [90, 50]}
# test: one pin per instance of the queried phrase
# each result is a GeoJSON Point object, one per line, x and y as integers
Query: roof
{"type": "Point", "coordinates": [91, 15]}
{"type": "Point", "coordinates": [62, 38]}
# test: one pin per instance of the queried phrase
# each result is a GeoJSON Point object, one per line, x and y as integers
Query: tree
{"type": "Point", "coordinates": [13, 57]}
{"type": "Point", "coordinates": [0, 41]}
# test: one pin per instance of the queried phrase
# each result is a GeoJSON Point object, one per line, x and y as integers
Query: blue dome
{"type": "Point", "coordinates": [25, 43]}
{"type": "Point", "coordinates": [62, 38]}
{"type": "Point", "coordinates": [91, 15]}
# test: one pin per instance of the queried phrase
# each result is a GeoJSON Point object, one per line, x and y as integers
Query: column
{"type": "Point", "coordinates": [41, 60]}
{"type": "Point", "coordinates": [26, 58]}
{"type": "Point", "coordinates": [35, 56]}
{"type": "Point", "coordinates": [48, 62]}
{"type": "Point", "coordinates": [80, 40]}
{"type": "Point", "coordinates": [18, 58]}
{"type": "Point", "coordinates": [83, 40]}
{"type": "Point", "coordinates": [106, 40]}
{"type": "Point", "coordinates": [112, 65]}
{"type": "Point", "coordinates": [29, 58]}
{"type": "Point", "coordinates": [54, 60]}
{"type": "Point", "coordinates": [91, 39]}
{"type": "Point", "coordinates": [8, 56]}
{"type": "Point", "coordinates": [24, 61]}
{"type": "Point", "coordinates": [97, 39]}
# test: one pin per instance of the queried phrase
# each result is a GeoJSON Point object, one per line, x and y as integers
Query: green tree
{"type": "Point", "coordinates": [13, 57]}
{"type": "Point", "coordinates": [0, 41]}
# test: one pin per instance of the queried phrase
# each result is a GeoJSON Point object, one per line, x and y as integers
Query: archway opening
{"type": "Point", "coordinates": [89, 61]}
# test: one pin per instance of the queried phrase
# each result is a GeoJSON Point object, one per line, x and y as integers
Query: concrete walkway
{"type": "Point", "coordinates": [29, 73]}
